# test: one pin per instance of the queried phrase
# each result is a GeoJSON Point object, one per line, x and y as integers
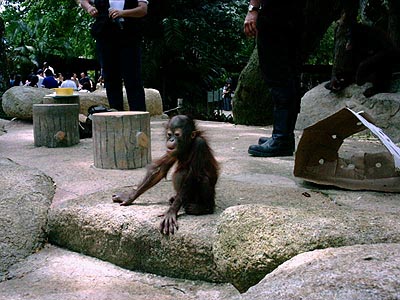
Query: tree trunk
{"type": "Point", "coordinates": [319, 15]}
{"type": "Point", "coordinates": [394, 22]}
{"type": "Point", "coordinates": [348, 18]}
{"type": "Point", "coordinates": [4, 76]}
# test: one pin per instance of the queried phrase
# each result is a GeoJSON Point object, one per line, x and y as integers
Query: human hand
{"type": "Point", "coordinates": [92, 11]}
{"type": "Point", "coordinates": [114, 13]}
{"type": "Point", "coordinates": [250, 24]}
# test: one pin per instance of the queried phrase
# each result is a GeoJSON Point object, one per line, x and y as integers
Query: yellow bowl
{"type": "Point", "coordinates": [64, 91]}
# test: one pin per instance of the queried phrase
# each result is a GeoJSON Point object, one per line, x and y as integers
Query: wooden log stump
{"type": "Point", "coordinates": [55, 125]}
{"type": "Point", "coordinates": [121, 140]}
{"type": "Point", "coordinates": [51, 99]}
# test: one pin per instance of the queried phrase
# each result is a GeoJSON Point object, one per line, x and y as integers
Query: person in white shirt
{"type": "Point", "coordinates": [69, 83]}
{"type": "Point", "coordinates": [47, 66]}
{"type": "Point", "coordinates": [40, 73]}
{"type": "Point", "coordinates": [118, 37]}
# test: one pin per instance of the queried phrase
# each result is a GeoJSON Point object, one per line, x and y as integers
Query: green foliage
{"type": "Point", "coordinates": [375, 12]}
{"type": "Point", "coordinates": [324, 54]}
{"type": "Point", "coordinates": [35, 29]}
{"type": "Point", "coordinates": [189, 46]}
{"type": "Point", "coordinates": [3, 63]}
{"type": "Point", "coordinates": [196, 47]}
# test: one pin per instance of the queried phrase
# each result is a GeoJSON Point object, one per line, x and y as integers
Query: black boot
{"type": "Point", "coordinates": [264, 139]}
{"type": "Point", "coordinates": [282, 142]}
{"type": "Point", "coordinates": [273, 147]}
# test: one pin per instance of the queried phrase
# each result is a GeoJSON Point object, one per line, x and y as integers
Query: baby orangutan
{"type": "Point", "coordinates": [194, 179]}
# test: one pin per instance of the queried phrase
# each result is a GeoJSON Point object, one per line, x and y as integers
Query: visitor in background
{"type": "Point", "coordinates": [12, 78]}
{"type": "Point", "coordinates": [33, 81]}
{"type": "Point", "coordinates": [46, 67]}
{"type": "Point", "coordinates": [84, 79]}
{"type": "Point", "coordinates": [49, 81]}
{"type": "Point", "coordinates": [59, 78]}
{"type": "Point", "coordinates": [39, 74]}
{"type": "Point", "coordinates": [68, 82]}
{"type": "Point", "coordinates": [227, 95]}
{"type": "Point", "coordinates": [75, 79]}
{"type": "Point", "coordinates": [17, 80]}
{"type": "Point", "coordinates": [86, 87]}
{"type": "Point", "coordinates": [118, 37]}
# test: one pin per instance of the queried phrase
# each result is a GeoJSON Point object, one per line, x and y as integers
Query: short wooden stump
{"type": "Point", "coordinates": [121, 140]}
{"type": "Point", "coordinates": [55, 125]}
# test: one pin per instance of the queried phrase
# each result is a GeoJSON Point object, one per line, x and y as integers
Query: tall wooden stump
{"type": "Point", "coordinates": [121, 140]}
{"type": "Point", "coordinates": [51, 99]}
{"type": "Point", "coordinates": [55, 125]}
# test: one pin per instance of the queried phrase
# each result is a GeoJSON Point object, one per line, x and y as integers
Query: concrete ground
{"type": "Point", "coordinates": [54, 273]}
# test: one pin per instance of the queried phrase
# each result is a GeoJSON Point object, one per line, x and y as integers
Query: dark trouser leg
{"type": "Point", "coordinates": [114, 93]}
{"type": "Point", "coordinates": [286, 107]}
{"type": "Point", "coordinates": [279, 57]}
{"type": "Point", "coordinates": [109, 59]}
{"type": "Point", "coordinates": [131, 73]}
{"type": "Point", "coordinates": [227, 103]}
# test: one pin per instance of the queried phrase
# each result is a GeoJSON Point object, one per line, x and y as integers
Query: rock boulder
{"type": "Point", "coordinates": [253, 240]}
{"type": "Point", "coordinates": [368, 272]}
{"type": "Point", "coordinates": [319, 103]}
{"type": "Point", "coordinates": [3, 124]}
{"type": "Point", "coordinates": [129, 236]}
{"type": "Point", "coordinates": [25, 198]}
{"type": "Point", "coordinates": [18, 101]}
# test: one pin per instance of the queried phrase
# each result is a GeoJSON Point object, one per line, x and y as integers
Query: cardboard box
{"type": "Point", "coordinates": [317, 158]}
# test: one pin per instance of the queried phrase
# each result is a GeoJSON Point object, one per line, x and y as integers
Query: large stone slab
{"type": "Point", "coordinates": [54, 273]}
{"type": "Point", "coordinates": [248, 237]}
{"type": "Point", "coordinates": [253, 240]}
{"type": "Point", "coordinates": [130, 237]}
{"type": "Point", "coordinates": [25, 198]}
{"type": "Point", "coordinates": [368, 272]}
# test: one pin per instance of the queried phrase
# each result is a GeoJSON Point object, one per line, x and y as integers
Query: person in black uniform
{"type": "Point", "coordinates": [118, 37]}
{"type": "Point", "coordinates": [278, 26]}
